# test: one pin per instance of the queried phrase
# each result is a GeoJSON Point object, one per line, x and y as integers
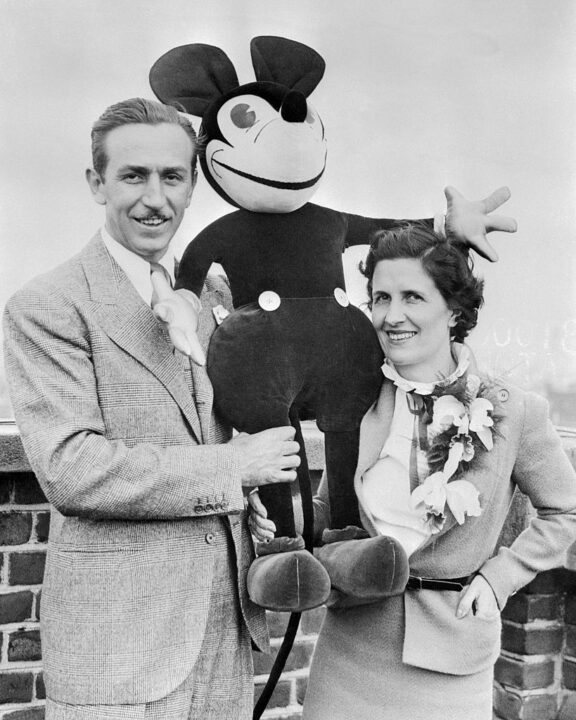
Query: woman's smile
{"type": "Point", "coordinates": [412, 320]}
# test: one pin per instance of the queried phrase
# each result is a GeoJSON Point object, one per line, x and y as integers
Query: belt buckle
{"type": "Point", "coordinates": [419, 579]}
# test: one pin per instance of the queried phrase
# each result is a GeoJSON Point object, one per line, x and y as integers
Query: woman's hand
{"type": "Point", "coordinates": [478, 597]}
{"type": "Point", "coordinates": [262, 528]}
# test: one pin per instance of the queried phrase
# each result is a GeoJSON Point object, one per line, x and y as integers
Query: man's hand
{"type": "Point", "coordinates": [478, 597]}
{"type": "Point", "coordinates": [267, 457]}
{"type": "Point", "coordinates": [469, 220]}
{"type": "Point", "coordinates": [179, 310]}
{"type": "Point", "coordinates": [262, 528]}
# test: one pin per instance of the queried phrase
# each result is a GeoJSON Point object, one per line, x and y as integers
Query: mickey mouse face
{"type": "Point", "coordinates": [270, 159]}
{"type": "Point", "coordinates": [264, 144]}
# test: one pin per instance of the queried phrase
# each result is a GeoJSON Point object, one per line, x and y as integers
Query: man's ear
{"type": "Point", "coordinates": [95, 183]}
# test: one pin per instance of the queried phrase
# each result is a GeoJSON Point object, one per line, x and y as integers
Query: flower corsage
{"type": "Point", "coordinates": [463, 425]}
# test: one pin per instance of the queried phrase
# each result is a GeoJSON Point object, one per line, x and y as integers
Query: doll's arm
{"type": "Point", "coordinates": [360, 229]}
{"type": "Point", "coordinates": [468, 221]}
{"type": "Point", "coordinates": [196, 261]}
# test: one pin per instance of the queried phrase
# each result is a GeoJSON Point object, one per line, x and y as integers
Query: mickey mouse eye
{"type": "Point", "coordinates": [242, 115]}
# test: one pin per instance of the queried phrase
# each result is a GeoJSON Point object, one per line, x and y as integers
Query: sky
{"type": "Point", "coordinates": [417, 95]}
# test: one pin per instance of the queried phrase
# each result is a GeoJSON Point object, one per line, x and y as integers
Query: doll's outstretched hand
{"type": "Point", "coordinates": [179, 310]}
{"type": "Point", "coordinates": [470, 220]}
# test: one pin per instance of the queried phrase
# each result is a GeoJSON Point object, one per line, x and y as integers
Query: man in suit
{"type": "Point", "coordinates": [144, 609]}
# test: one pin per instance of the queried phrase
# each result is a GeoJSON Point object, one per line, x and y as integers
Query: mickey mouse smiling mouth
{"type": "Point", "coordinates": [272, 183]}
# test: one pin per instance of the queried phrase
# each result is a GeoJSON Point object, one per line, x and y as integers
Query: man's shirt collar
{"type": "Point", "coordinates": [135, 267]}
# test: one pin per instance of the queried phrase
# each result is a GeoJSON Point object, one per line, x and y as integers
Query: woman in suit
{"type": "Point", "coordinates": [441, 452]}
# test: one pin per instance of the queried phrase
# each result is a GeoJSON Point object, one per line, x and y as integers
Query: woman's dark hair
{"type": "Point", "coordinates": [446, 262]}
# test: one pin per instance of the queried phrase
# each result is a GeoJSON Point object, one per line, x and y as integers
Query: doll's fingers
{"type": "Point", "coordinates": [163, 311]}
{"type": "Point", "coordinates": [188, 344]}
{"type": "Point", "coordinates": [502, 223]}
{"type": "Point", "coordinates": [479, 243]}
{"type": "Point", "coordinates": [453, 195]}
{"type": "Point", "coordinates": [495, 199]}
{"type": "Point", "coordinates": [440, 224]}
{"type": "Point", "coordinates": [196, 351]}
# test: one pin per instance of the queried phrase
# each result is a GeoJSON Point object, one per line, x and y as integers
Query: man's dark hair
{"type": "Point", "coordinates": [135, 111]}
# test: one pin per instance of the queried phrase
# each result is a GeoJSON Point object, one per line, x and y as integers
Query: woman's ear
{"type": "Point", "coordinates": [453, 321]}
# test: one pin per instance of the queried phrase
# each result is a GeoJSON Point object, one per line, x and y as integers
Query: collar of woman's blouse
{"type": "Point", "coordinates": [464, 360]}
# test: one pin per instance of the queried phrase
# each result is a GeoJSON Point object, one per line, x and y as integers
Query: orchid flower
{"type": "Point", "coordinates": [432, 493]}
{"type": "Point", "coordinates": [481, 422]}
{"type": "Point", "coordinates": [462, 498]}
{"type": "Point", "coordinates": [448, 411]}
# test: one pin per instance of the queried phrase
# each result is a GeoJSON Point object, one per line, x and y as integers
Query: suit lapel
{"type": "Point", "coordinates": [202, 386]}
{"type": "Point", "coordinates": [130, 323]}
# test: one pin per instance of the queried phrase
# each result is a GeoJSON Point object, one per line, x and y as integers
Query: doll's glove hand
{"type": "Point", "coordinates": [470, 220]}
{"type": "Point", "coordinates": [179, 310]}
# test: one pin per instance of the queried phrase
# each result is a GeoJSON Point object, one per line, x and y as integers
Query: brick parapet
{"type": "Point", "coordinates": [535, 676]}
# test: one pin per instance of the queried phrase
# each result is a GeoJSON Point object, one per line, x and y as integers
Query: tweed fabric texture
{"type": "Point", "coordinates": [138, 467]}
{"type": "Point", "coordinates": [220, 686]}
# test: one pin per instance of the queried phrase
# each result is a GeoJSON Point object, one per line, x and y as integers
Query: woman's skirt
{"type": "Point", "coordinates": [357, 673]}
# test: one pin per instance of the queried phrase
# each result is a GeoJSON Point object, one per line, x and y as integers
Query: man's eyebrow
{"type": "Point", "coordinates": [176, 168]}
{"type": "Point", "coordinates": [141, 170]}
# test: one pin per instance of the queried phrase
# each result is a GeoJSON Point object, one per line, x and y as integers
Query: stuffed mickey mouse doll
{"type": "Point", "coordinates": [294, 347]}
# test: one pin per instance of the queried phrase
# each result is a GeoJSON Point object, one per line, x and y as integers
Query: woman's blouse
{"type": "Point", "coordinates": [386, 485]}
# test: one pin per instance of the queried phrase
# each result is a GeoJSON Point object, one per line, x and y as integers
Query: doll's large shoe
{"type": "Point", "coordinates": [286, 577]}
{"type": "Point", "coordinates": [364, 571]}
{"type": "Point", "coordinates": [350, 532]}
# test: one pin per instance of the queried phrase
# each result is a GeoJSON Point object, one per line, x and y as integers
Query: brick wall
{"type": "Point", "coordinates": [535, 675]}
{"type": "Point", "coordinates": [24, 524]}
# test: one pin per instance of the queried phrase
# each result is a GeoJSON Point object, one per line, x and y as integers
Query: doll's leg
{"type": "Point", "coordinates": [341, 449]}
{"type": "Point", "coordinates": [361, 570]}
{"type": "Point", "coordinates": [277, 500]}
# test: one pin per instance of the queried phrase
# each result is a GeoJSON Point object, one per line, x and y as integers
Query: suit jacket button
{"type": "Point", "coordinates": [217, 506]}
{"type": "Point", "coordinates": [199, 508]}
{"type": "Point", "coordinates": [210, 537]}
{"type": "Point", "coordinates": [209, 507]}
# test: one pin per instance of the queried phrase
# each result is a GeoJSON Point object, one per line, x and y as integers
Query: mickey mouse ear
{"type": "Point", "coordinates": [191, 77]}
{"type": "Point", "coordinates": [290, 63]}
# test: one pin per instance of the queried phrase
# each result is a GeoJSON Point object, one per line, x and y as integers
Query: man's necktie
{"type": "Point", "coordinates": [156, 267]}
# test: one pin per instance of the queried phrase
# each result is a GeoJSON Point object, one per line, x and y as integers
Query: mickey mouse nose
{"type": "Point", "coordinates": [294, 107]}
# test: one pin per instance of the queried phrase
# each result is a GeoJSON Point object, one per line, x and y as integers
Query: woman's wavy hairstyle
{"type": "Point", "coordinates": [447, 263]}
